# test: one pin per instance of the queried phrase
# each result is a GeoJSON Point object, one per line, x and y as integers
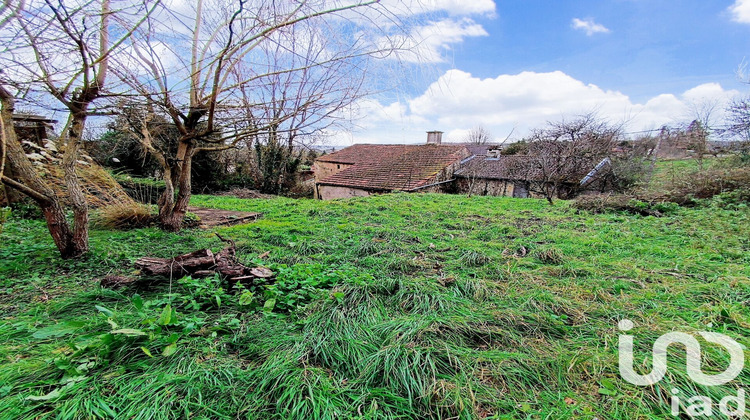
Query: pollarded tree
{"type": "Point", "coordinates": [57, 54]}
{"type": "Point", "coordinates": [226, 72]}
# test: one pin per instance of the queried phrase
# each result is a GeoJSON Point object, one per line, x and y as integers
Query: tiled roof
{"type": "Point", "coordinates": [391, 167]}
{"type": "Point", "coordinates": [504, 167]}
{"type": "Point", "coordinates": [517, 168]}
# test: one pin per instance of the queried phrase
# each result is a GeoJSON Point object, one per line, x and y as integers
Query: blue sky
{"type": "Point", "coordinates": [512, 65]}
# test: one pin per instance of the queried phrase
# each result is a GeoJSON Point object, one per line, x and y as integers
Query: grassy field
{"type": "Point", "coordinates": [397, 306]}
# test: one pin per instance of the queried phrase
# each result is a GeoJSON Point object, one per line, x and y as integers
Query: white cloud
{"type": "Point", "coordinates": [453, 7]}
{"type": "Point", "coordinates": [429, 43]}
{"type": "Point", "coordinates": [704, 92]}
{"type": "Point", "coordinates": [525, 100]}
{"type": "Point", "coordinates": [589, 26]}
{"type": "Point", "coordinates": [458, 101]}
{"type": "Point", "coordinates": [740, 11]}
{"type": "Point", "coordinates": [462, 7]}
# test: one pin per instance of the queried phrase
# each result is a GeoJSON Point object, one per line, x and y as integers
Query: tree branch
{"type": "Point", "coordinates": [39, 197]}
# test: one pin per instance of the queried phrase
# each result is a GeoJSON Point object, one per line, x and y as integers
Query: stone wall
{"type": "Point", "coordinates": [493, 187]}
{"type": "Point", "coordinates": [330, 192]}
{"type": "Point", "coordinates": [323, 170]}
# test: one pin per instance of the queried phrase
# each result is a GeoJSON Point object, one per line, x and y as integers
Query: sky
{"type": "Point", "coordinates": [512, 65]}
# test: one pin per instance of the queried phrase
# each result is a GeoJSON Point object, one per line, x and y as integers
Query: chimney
{"type": "Point", "coordinates": [434, 137]}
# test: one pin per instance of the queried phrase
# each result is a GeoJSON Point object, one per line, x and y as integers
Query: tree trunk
{"type": "Point", "coordinates": [75, 192]}
{"type": "Point", "coordinates": [166, 201]}
{"type": "Point", "coordinates": [171, 211]}
{"type": "Point", "coordinates": [549, 194]}
{"type": "Point", "coordinates": [32, 184]}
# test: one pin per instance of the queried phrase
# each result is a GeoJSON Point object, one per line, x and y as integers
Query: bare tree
{"type": "Point", "coordinates": [703, 114]}
{"type": "Point", "coordinates": [59, 53]}
{"type": "Point", "coordinates": [260, 69]}
{"type": "Point", "coordinates": [478, 135]}
{"type": "Point", "coordinates": [313, 98]}
{"type": "Point", "coordinates": [28, 181]}
{"type": "Point", "coordinates": [561, 156]}
{"type": "Point", "coordinates": [738, 120]}
{"type": "Point", "coordinates": [697, 140]}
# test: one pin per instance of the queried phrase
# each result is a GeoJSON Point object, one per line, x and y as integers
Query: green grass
{"type": "Point", "coordinates": [448, 307]}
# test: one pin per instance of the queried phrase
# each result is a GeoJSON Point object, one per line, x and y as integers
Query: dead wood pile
{"type": "Point", "coordinates": [197, 264]}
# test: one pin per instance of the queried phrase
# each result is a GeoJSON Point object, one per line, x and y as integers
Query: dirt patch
{"type": "Point", "coordinates": [214, 217]}
{"type": "Point", "coordinates": [245, 193]}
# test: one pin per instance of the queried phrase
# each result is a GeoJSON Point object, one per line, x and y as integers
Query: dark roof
{"type": "Point", "coordinates": [33, 118]}
{"type": "Point", "coordinates": [382, 167]}
{"type": "Point", "coordinates": [504, 167]}
{"type": "Point", "coordinates": [514, 167]}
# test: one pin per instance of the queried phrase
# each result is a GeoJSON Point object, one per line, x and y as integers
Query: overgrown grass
{"type": "Point", "coordinates": [452, 307]}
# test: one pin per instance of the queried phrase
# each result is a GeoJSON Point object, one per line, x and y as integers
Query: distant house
{"type": "Point", "coordinates": [521, 176]}
{"type": "Point", "coordinates": [365, 169]}
{"type": "Point", "coordinates": [493, 174]}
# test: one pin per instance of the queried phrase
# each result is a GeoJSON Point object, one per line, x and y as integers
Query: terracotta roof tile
{"type": "Point", "coordinates": [391, 167]}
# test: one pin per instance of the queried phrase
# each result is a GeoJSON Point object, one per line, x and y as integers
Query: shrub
{"type": "Point", "coordinates": [626, 173]}
{"type": "Point", "coordinates": [727, 181]}
{"type": "Point", "coordinates": [693, 186]}
{"type": "Point", "coordinates": [517, 148]}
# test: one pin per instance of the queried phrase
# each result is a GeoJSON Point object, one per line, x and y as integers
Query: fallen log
{"type": "Point", "coordinates": [199, 264]}
{"type": "Point", "coordinates": [179, 266]}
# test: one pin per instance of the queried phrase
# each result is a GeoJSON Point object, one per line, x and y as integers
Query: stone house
{"type": "Point", "coordinates": [365, 169]}
{"type": "Point", "coordinates": [494, 175]}
{"type": "Point", "coordinates": [519, 176]}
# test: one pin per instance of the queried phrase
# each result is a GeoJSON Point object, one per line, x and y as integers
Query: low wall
{"type": "Point", "coordinates": [330, 192]}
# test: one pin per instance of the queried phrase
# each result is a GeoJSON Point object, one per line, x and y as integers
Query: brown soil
{"type": "Point", "coordinates": [214, 217]}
